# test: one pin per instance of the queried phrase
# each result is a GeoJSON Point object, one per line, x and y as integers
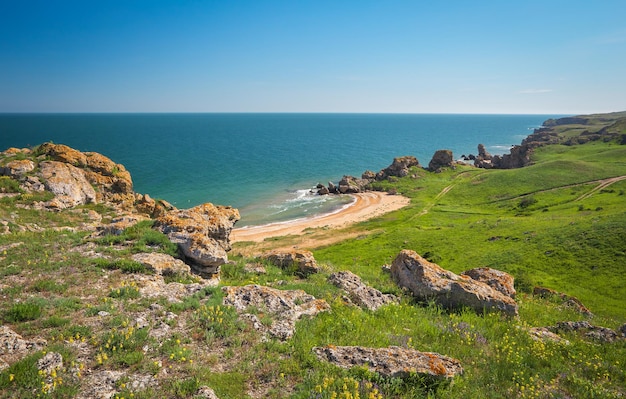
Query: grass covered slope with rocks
{"type": "Point", "coordinates": [98, 300]}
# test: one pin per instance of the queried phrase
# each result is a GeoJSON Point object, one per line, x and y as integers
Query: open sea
{"type": "Point", "coordinates": [263, 164]}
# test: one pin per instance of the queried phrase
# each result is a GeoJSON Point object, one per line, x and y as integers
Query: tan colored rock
{"type": "Point", "coordinates": [162, 264]}
{"type": "Point", "coordinates": [68, 183]}
{"type": "Point", "coordinates": [360, 293]}
{"type": "Point", "coordinates": [202, 234]}
{"type": "Point", "coordinates": [17, 168]}
{"type": "Point", "coordinates": [284, 307]}
{"type": "Point", "coordinates": [441, 159]}
{"type": "Point", "coordinates": [112, 180]}
{"type": "Point", "coordinates": [496, 279]}
{"type": "Point", "coordinates": [300, 262]}
{"type": "Point", "coordinates": [427, 281]}
{"type": "Point", "coordinates": [393, 361]}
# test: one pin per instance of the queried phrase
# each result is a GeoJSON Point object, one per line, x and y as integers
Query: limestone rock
{"type": "Point", "coordinates": [117, 225]}
{"type": "Point", "coordinates": [359, 293]}
{"type": "Point", "coordinates": [301, 262]}
{"type": "Point", "coordinates": [392, 361]}
{"type": "Point", "coordinates": [68, 183]}
{"type": "Point", "coordinates": [596, 333]}
{"type": "Point", "coordinates": [50, 362]}
{"type": "Point", "coordinates": [284, 307]}
{"type": "Point", "coordinates": [441, 159]}
{"type": "Point", "coordinates": [202, 234]}
{"type": "Point", "coordinates": [496, 279]}
{"type": "Point", "coordinates": [569, 301]}
{"type": "Point", "coordinates": [398, 168]}
{"type": "Point", "coordinates": [112, 180]}
{"type": "Point", "coordinates": [13, 347]}
{"type": "Point", "coordinates": [206, 393]}
{"type": "Point", "coordinates": [162, 264]}
{"type": "Point", "coordinates": [545, 335]}
{"type": "Point", "coordinates": [17, 168]}
{"type": "Point", "coordinates": [426, 280]}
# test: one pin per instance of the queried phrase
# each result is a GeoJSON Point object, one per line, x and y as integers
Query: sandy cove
{"type": "Point", "coordinates": [366, 206]}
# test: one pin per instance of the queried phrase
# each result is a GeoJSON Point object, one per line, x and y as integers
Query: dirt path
{"type": "Point", "coordinates": [603, 184]}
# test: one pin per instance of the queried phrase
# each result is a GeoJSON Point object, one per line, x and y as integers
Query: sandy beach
{"type": "Point", "coordinates": [365, 206]}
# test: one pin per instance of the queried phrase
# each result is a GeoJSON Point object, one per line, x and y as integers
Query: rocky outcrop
{"type": "Point", "coordinates": [441, 159]}
{"type": "Point", "coordinates": [284, 307]}
{"type": "Point", "coordinates": [112, 181]}
{"type": "Point", "coordinates": [352, 185]}
{"type": "Point", "coordinates": [202, 234]}
{"type": "Point", "coordinates": [569, 301]}
{"type": "Point", "coordinates": [496, 279]}
{"type": "Point", "coordinates": [399, 167]}
{"type": "Point", "coordinates": [300, 262]}
{"type": "Point", "coordinates": [393, 361]}
{"type": "Point", "coordinates": [17, 168]}
{"type": "Point", "coordinates": [358, 292]}
{"type": "Point", "coordinates": [427, 281]}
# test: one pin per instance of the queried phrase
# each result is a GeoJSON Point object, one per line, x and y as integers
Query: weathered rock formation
{"type": "Point", "coordinates": [300, 262]}
{"type": "Point", "coordinates": [111, 180]}
{"type": "Point", "coordinates": [392, 361]}
{"type": "Point", "coordinates": [359, 293]}
{"type": "Point", "coordinates": [284, 307]}
{"type": "Point", "coordinates": [202, 234]}
{"type": "Point", "coordinates": [399, 167]}
{"type": "Point", "coordinates": [427, 281]}
{"type": "Point", "coordinates": [496, 279]}
{"type": "Point", "coordinates": [441, 159]}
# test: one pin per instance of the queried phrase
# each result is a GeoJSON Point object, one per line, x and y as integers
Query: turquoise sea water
{"type": "Point", "coordinates": [263, 164]}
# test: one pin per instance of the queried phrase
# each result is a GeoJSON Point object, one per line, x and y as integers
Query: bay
{"type": "Point", "coordinates": [263, 164]}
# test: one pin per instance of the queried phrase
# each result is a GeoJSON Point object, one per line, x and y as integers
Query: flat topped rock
{"type": "Point", "coordinates": [392, 361]}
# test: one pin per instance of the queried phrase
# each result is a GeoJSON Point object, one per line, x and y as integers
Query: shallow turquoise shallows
{"type": "Point", "coordinates": [263, 164]}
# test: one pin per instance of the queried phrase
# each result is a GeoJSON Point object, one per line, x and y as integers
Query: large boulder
{"type": "Point", "coordinates": [17, 168]}
{"type": "Point", "coordinates": [283, 307]}
{"type": "Point", "coordinates": [202, 234]}
{"type": "Point", "coordinates": [496, 279]}
{"type": "Point", "coordinates": [162, 264]}
{"type": "Point", "coordinates": [360, 293]}
{"type": "Point", "coordinates": [393, 361]}
{"type": "Point", "coordinates": [68, 184]}
{"type": "Point", "coordinates": [301, 262]}
{"type": "Point", "coordinates": [427, 281]}
{"type": "Point", "coordinates": [352, 185]}
{"type": "Point", "coordinates": [441, 159]}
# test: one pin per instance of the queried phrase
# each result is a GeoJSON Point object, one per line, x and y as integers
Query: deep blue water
{"type": "Point", "coordinates": [263, 164]}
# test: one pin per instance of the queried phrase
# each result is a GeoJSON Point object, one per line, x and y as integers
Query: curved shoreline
{"type": "Point", "coordinates": [365, 206]}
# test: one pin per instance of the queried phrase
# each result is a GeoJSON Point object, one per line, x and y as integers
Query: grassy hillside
{"type": "Point", "coordinates": [560, 223]}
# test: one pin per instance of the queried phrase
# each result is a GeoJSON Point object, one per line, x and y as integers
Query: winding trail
{"type": "Point", "coordinates": [603, 184]}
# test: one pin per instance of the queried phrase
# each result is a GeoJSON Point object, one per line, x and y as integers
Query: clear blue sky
{"type": "Point", "coordinates": [532, 56]}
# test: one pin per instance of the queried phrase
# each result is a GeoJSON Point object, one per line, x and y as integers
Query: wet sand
{"type": "Point", "coordinates": [366, 206]}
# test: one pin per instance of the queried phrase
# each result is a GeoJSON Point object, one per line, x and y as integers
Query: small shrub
{"type": "Point", "coordinates": [23, 311]}
{"type": "Point", "coordinates": [8, 185]}
{"type": "Point", "coordinates": [526, 202]}
{"type": "Point", "coordinates": [125, 291]}
{"type": "Point", "coordinates": [125, 265]}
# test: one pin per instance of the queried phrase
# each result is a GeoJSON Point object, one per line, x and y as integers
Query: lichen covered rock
{"type": "Point", "coordinates": [427, 281]}
{"type": "Point", "coordinates": [360, 293]}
